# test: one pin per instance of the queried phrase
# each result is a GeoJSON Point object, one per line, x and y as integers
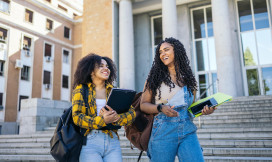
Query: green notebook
{"type": "Point", "coordinates": [212, 101]}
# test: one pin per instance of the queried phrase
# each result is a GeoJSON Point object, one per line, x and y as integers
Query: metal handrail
{"type": "Point", "coordinates": [199, 119]}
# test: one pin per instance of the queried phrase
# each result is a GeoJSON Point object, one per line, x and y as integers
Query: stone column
{"type": "Point", "coordinates": [223, 45]}
{"type": "Point", "coordinates": [126, 45]}
{"type": "Point", "coordinates": [169, 18]}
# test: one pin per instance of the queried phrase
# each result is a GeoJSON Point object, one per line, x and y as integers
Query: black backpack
{"type": "Point", "coordinates": [68, 138]}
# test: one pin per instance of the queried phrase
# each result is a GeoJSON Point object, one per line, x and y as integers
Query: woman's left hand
{"type": "Point", "coordinates": [208, 110]}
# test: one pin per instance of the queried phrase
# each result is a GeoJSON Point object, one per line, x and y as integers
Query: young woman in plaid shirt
{"type": "Point", "coordinates": [102, 145]}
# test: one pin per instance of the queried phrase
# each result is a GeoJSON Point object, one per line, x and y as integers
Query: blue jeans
{"type": "Point", "coordinates": [101, 147]}
{"type": "Point", "coordinates": [173, 136]}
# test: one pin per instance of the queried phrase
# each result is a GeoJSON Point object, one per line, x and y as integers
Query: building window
{"type": "Point", "coordinates": [4, 5]}
{"type": "Point", "coordinates": [65, 81]}
{"type": "Point", "coordinates": [66, 32]}
{"type": "Point", "coordinates": [1, 99]}
{"type": "Point", "coordinates": [25, 73]}
{"type": "Point", "coordinates": [156, 27]}
{"type": "Point", "coordinates": [62, 8]}
{"type": "Point", "coordinates": [256, 41]}
{"type": "Point", "coordinates": [3, 35]}
{"type": "Point", "coordinates": [20, 99]}
{"type": "Point", "coordinates": [65, 57]}
{"type": "Point", "coordinates": [28, 16]}
{"type": "Point", "coordinates": [49, 24]}
{"type": "Point", "coordinates": [2, 63]}
{"type": "Point", "coordinates": [26, 43]}
{"type": "Point", "coordinates": [48, 50]}
{"type": "Point", "coordinates": [46, 77]}
{"type": "Point", "coordinates": [204, 50]}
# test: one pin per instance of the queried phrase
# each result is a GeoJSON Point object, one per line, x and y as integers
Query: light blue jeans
{"type": "Point", "coordinates": [101, 147]}
{"type": "Point", "coordinates": [173, 136]}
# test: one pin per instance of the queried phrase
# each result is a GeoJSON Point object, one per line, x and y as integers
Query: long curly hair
{"type": "Point", "coordinates": [159, 72]}
{"type": "Point", "coordinates": [87, 65]}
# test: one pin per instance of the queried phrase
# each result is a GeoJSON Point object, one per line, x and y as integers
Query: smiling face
{"type": "Point", "coordinates": [101, 72]}
{"type": "Point", "coordinates": [167, 54]}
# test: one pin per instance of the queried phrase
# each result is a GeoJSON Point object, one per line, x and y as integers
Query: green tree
{"type": "Point", "coordinates": [266, 88]}
{"type": "Point", "coordinates": [248, 57]}
{"type": "Point", "coordinates": [252, 81]}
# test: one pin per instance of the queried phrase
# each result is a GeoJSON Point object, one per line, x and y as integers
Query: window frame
{"type": "Point", "coordinates": [21, 97]}
{"type": "Point", "coordinates": [52, 28]}
{"type": "Point", "coordinates": [64, 85]}
{"type": "Point", "coordinates": [153, 36]}
{"type": "Point", "coordinates": [65, 32]}
{"type": "Point", "coordinates": [209, 72]}
{"type": "Point", "coordinates": [32, 16]}
{"type": "Point", "coordinates": [254, 30]}
{"type": "Point", "coordinates": [25, 73]}
{"type": "Point", "coordinates": [68, 56]}
{"type": "Point", "coordinates": [2, 68]}
{"type": "Point", "coordinates": [6, 12]}
{"type": "Point", "coordinates": [45, 81]}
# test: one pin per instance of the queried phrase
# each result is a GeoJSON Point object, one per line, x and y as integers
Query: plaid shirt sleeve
{"type": "Point", "coordinates": [79, 112]}
{"type": "Point", "coordinates": [126, 118]}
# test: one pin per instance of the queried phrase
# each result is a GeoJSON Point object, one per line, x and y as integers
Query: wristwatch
{"type": "Point", "coordinates": [159, 108]}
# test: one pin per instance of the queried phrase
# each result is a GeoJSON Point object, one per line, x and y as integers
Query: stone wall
{"type": "Point", "coordinates": [36, 114]}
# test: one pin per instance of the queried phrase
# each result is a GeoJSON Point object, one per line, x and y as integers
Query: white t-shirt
{"type": "Point", "coordinates": [100, 103]}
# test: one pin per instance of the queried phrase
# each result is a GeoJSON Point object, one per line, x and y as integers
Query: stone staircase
{"type": "Point", "coordinates": [240, 130]}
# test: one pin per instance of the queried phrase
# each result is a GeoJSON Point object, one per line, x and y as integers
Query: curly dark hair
{"type": "Point", "coordinates": [87, 65]}
{"type": "Point", "coordinates": [159, 72]}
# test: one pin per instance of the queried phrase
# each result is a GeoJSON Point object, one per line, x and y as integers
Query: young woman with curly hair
{"type": "Point", "coordinates": [103, 145]}
{"type": "Point", "coordinates": [169, 91]}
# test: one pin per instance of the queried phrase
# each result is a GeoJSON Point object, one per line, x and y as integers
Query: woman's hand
{"type": "Point", "coordinates": [110, 116]}
{"type": "Point", "coordinates": [168, 111]}
{"type": "Point", "coordinates": [208, 110]}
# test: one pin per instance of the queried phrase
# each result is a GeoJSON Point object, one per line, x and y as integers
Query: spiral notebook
{"type": "Point", "coordinates": [212, 101]}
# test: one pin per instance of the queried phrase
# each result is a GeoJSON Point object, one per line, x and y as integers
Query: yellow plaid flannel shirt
{"type": "Point", "coordinates": [92, 121]}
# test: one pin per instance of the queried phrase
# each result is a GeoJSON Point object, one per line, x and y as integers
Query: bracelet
{"type": "Point", "coordinates": [159, 108]}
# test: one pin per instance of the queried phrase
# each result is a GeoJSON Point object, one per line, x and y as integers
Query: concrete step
{"type": "Point", "coordinates": [25, 151]}
{"type": "Point", "coordinates": [231, 135]}
{"type": "Point", "coordinates": [240, 130]}
{"type": "Point", "coordinates": [236, 159]}
{"type": "Point", "coordinates": [247, 152]}
{"type": "Point", "coordinates": [126, 144]}
{"type": "Point", "coordinates": [36, 135]}
{"type": "Point", "coordinates": [243, 109]}
{"type": "Point", "coordinates": [48, 158]}
{"type": "Point", "coordinates": [27, 158]}
{"type": "Point", "coordinates": [234, 125]}
{"type": "Point", "coordinates": [238, 136]}
{"type": "Point", "coordinates": [24, 145]}
{"type": "Point", "coordinates": [233, 121]}
{"type": "Point", "coordinates": [262, 152]}
{"type": "Point", "coordinates": [201, 134]}
{"type": "Point", "coordinates": [220, 113]}
{"type": "Point", "coordinates": [247, 115]}
{"type": "Point", "coordinates": [208, 159]}
{"type": "Point", "coordinates": [236, 143]}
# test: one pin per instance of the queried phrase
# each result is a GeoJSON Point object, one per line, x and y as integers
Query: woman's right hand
{"type": "Point", "coordinates": [110, 116]}
{"type": "Point", "coordinates": [168, 111]}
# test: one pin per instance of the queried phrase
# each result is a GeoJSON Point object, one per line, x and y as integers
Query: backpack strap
{"type": "Point", "coordinates": [85, 98]}
{"type": "Point", "coordinates": [139, 158]}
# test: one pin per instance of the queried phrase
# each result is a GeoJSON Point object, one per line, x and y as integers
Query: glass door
{"type": "Point", "coordinates": [256, 46]}
{"type": "Point", "coordinates": [204, 50]}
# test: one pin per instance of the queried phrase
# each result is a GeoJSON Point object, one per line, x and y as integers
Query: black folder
{"type": "Point", "coordinates": [120, 100]}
